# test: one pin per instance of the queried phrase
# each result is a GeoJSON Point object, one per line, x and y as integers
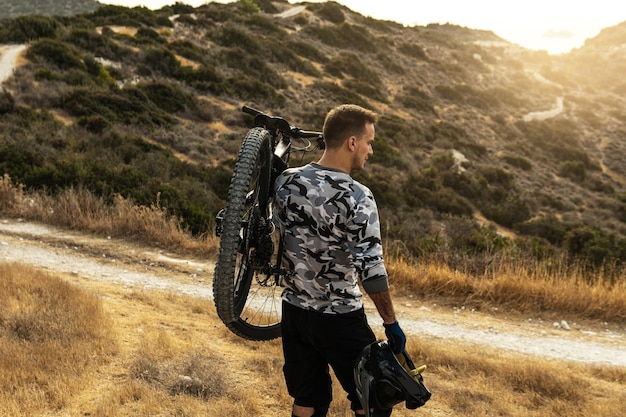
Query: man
{"type": "Point", "coordinates": [332, 241]}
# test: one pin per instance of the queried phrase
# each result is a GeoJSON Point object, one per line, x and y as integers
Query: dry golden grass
{"type": "Point", "coordinates": [51, 335]}
{"type": "Point", "coordinates": [103, 350]}
{"type": "Point", "coordinates": [515, 288]}
{"type": "Point", "coordinates": [79, 209]}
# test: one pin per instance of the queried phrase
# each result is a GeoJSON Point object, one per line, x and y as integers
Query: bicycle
{"type": "Point", "coordinates": [246, 281]}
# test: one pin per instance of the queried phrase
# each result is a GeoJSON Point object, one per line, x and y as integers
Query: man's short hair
{"type": "Point", "coordinates": [345, 121]}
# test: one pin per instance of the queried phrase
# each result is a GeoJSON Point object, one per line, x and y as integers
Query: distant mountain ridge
{"type": "Point", "coordinates": [14, 8]}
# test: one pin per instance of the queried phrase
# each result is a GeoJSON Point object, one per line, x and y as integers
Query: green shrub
{"type": "Point", "coordinates": [128, 106]}
{"type": "Point", "coordinates": [232, 36]}
{"type": "Point", "coordinates": [60, 54]}
{"type": "Point", "coordinates": [161, 61]}
{"type": "Point", "coordinates": [109, 15]}
{"type": "Point", "coordinates": [148, 35]}
{"type": "Point", "coordinates": [98, 45]}
{"type": "Point", "coordinates": [188, 50]}
{"type": "Point", "coordinates": [30, 28]}
{"type": "Point", "coordinates": [338, 94]}
{"type": "Point", "coordinates": [267, 6]}
{"type": "Point", "coordinates": [518, 162]}
{"type": "Point", "coordinates": [510, 212]}
{"type": "Point", "coordinates": [446, 132]}
{"type": "Point", "coordinates": [332, 12]}
{"type": "Point", "coordinates": [249, 6]}
{"type": "Point", "coordinates": [94, 124]}
{"type": "Point", "coordinates": [350, 64]}
{"type": "Point", "coordinates": [590, 245]}
{"type": "Point", "coordinates": [415, 99]}
{"type": "Point", "coordinates": [266, 25]}
{"type": "Point", "coordinates": [203, 78]}
{"type": "Point", "coordinates": [385, 154]}
{"type": "Point", "coordinates": [413, 50]}
{"type": "Point", "coordinates": [252, 66]}
{"type": "Point", "coordinates": [285, 56]}
{"type": "Point", "coordinates": [496, 176]}
{"type": "Point", "coordinates": [182, 8]}
{"type": "Point", "coordinates": [307, 51]}
{"type": "Point", "coordinates": [399, 131]}
{"type": "Point", "coordinates": [574, 170]}
{"type": "Point", "coordinates": [7, 102]}
{"type": "Point", "coordinates": [167, 96]}
{"type": "Point", "coordinates": [367, 90]}
{"type": "Point", "coordinates": [445, 200]}
{"type": "Point", "coordinates": [247, 88]}
{"type": "Point", "coordinates": [344, 36]}
{"type": "Point", "coordinates": [465, 94]}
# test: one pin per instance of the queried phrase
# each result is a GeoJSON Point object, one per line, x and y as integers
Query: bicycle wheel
{"type": "Point", "coordinates": [247, 297]}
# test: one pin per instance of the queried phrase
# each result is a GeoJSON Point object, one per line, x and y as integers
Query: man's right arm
{"type": "Point", "coordinates": [384, 305]}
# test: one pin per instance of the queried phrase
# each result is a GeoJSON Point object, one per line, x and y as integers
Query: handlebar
{"type": "Point", "coordinates": [278, 123]}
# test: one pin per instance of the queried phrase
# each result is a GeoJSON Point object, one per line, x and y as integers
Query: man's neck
{"type": "Point", "coordinates": [334, 161]}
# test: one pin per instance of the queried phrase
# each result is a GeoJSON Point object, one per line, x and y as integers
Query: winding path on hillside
{"type": "Point", "coordinates": [135, 267]}
{"type": "Point", "coordinates": [9, 55]}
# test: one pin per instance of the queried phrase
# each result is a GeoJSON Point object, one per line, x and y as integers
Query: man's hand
{"type": "Point", "coordinates": [396, 337]}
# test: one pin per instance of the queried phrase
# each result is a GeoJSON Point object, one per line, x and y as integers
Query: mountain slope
{"type": "Point", "coordinates": [481, 139]}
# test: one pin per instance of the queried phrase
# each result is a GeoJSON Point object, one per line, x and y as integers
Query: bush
{"type": "Point", "coordinates": [332, 12]}
{"type": "Point", "coordinates": [339, 94]}
{"type": "Point", "coordinates": [148, 35]}
{"type": "Point", "coordinates": [344, 36]}
{"type": "Point", "coordinates": [350, 64]}
{"type": "Point", "coordinates": [109, 15]}
{"type": "Point", "coordinates": [307, 50]}
{"type": "Point", "coordinates": [167, 96]}
{"type": "Point", "coordinates": [415, 99]}
{"type": "Point", "coordinates": [413, 50]}
{"type": "Point", "coordinates": [60, 54]}
{"type": "Point", "coordinates": [285, 56]}
{"type": "Point", "coordinates": [518, 162]}
{"type": "Point", "coordinates": [248, 88]}
{"type": "Point", "coordinates": [233, 37]}
{"type": "Point", "coordinates": [98, 45]}
{"type": "Point", "coordinates": [30, 28]}
{"type": "Point", "coordinates": [266, 25]}
{"type": "Point", "coordinates": [574, 170]}
{"type": "Point", "coordinates": [128, 106]}
{"type": "Point", "coordinates": [252, 66]}
{"type": "Point", "coordinates": [7, 102]}
{"type": "Point", "coordinates": [161, 61]}
{"type": "Point", "coordinates": [188, 50]}
{"type": "Point", "coordinates": [549, 228]}
{"type": "Point", "coordinates": [249, 6]}
{"type": "Point", "coordinates": [512, 211]}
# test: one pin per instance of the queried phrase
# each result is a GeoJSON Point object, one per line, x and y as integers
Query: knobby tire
{"type": "Point", "coordinates": [235, 284]}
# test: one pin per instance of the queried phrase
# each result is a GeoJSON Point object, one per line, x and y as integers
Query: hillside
{"type": "Point", "coordinates": [488, 146]}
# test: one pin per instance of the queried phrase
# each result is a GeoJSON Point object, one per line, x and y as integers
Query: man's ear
{"type": "Point", "coordinates": [352, 143]}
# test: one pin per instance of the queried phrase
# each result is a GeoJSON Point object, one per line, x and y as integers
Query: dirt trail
{"type": "Point", "coordinates": [131, 266]}
{"type": "Point", "coordinates": [8, 59]}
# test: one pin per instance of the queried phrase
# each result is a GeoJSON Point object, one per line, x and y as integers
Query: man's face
{"type": "Point", "coordinates": [363, 147]}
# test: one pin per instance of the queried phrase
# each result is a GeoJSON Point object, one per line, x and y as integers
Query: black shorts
{"type": "Point", "coordinates": [311, 342]}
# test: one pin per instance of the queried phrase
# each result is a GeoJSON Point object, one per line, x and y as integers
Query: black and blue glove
{"type": "Point", "coordinates": [396, 337]}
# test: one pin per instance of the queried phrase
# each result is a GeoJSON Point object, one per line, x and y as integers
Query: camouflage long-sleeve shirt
{"type": "Point", "coordinates": [332, 239]}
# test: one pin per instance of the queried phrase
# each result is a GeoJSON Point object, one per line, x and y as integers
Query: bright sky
{"type": "Point", "coordinates": [556, 26]}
